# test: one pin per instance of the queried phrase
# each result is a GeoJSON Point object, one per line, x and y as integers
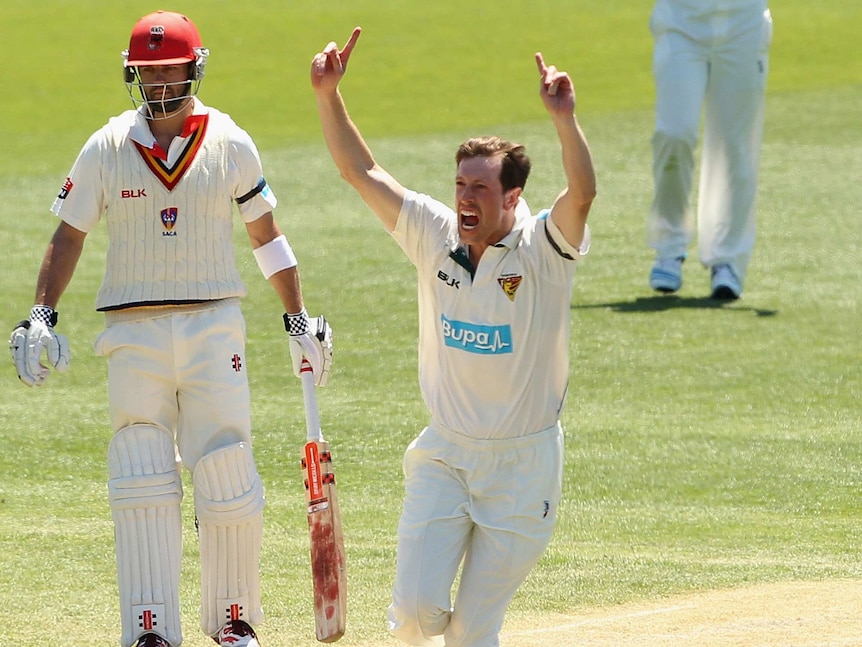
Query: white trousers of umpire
{"type": "Point", "coordinates": [488, 506]}
{"type": "Point", "coordinates": [717, 65]}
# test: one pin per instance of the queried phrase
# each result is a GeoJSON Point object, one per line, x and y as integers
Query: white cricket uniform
{"type": "Point", "coordinates": [171, 286]}
{"type": "Point", "coordinates": [484, 478]}
{"type": "Point", "coordinates": [175, 346]}
{"type": "Point", "coordinates": [710, 55]}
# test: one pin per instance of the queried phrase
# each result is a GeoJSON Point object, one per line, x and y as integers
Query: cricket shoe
{"type": "Point", "coordinates": [236, 633]}
{"type": "Point", "coordinates": [666, 274]}
{"type": "Point", "coordinates": [726, 286]}
{"type": "Point", "coordinates": [151, 640]}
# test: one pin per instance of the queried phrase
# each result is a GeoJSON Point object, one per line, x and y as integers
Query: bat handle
{"type": "Point", "coordinates": [312, 416]}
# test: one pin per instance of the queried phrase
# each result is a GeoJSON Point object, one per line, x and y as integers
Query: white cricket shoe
{"type": "Point", "coordinates": [236, 633]}
{"type": "Point", "coordinates": [726, 286]}
{"type": "Point", "coordinates": [666, 274]}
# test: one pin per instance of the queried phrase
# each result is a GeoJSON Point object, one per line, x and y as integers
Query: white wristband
{"type": "Point", "coordinates": [274, 256]}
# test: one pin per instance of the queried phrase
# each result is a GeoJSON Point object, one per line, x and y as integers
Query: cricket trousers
{"type": "Point", "coordinates": [177, 385]}
{"type": "Point", "coordinates": [716, 65]}
{"type": "Point", "coordinates": [182, 369]}
{"type": "Point", "coordinates": [486, 506]}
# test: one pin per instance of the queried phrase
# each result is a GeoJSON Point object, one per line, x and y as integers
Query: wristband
{"type": "Point", "coordinates": [44, 314]}
{"type": "Point", "coordinates": [296, 324]}
{"type": "Point", "coordinates": [274, 256]}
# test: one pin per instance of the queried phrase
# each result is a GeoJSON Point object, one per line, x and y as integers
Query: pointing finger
{"type": "Point", "coordinates": [351, 43]}
{"type": "Point", "coordinates": [540, 62]}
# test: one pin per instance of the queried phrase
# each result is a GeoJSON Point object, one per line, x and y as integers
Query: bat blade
{"type": "Point", "coordinates": [328, 564]}
{"type": "Point", "coordinates": [327, 545]}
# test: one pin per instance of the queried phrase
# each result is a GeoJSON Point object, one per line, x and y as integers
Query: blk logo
{"type": "Point", "coordinates": [448, 280]}
{"type": "Point", "coordinates": [133, 193]}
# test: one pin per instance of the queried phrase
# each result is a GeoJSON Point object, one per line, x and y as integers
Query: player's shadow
{"type": "Point", "coordinates": [662, 303]}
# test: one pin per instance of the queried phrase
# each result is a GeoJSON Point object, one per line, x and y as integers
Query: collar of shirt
{"type": "Point", "coordinates": [511, 239]}
{"type": "Point", "coordinates": [141, 133]}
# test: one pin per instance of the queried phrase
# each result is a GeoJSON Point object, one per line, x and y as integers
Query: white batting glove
{"type": "Point", "coordinates": [311, 340]}
{"type": "Point", "coordinates": [30, 339]}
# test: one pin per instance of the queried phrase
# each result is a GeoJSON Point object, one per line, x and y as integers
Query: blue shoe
{"type": "Point", "coordinates": [726, 286]}
{"type": "Point", "coordinates": [666, 274]}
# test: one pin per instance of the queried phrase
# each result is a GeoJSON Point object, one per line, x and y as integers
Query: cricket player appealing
{"type": "Point", "coordinates": [483, 480]}
{"type": "Point", "coordinates": [710, 55]}
{"type": "Point", "coordinates": [164, 177]}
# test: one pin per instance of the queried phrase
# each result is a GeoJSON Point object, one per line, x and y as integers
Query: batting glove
{"type": "Point", "coordinates": [30, 339]}
{"type": "Point", "coordinates": [311, 340]}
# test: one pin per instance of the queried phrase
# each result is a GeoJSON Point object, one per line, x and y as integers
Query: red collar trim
{"type": "Point", "coordinates": [194, 129]}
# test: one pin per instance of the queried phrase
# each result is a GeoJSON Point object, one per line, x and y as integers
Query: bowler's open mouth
{"type": "Point", "coordinates": [469, 219]}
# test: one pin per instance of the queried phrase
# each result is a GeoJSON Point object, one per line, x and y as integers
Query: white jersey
{"type": "Point", "coordinates": [169, 213]}
{"type": "Point", "coordinates": [494, 340]}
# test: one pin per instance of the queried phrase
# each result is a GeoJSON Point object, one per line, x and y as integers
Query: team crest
{"type": "Point", "coordinates": [157, 37]}
{"type": "Point", "coordinates": [510, 284]}
{"type": "Point", "coordinates": [169, 219]}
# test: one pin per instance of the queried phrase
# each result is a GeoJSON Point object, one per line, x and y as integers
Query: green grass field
{"type": "Point", "coordinates": [707, 447]}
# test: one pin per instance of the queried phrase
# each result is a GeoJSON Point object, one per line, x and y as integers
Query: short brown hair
{"type": "Point", "coordinates": [516, 165]}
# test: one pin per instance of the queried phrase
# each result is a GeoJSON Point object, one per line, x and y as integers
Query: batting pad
{"type": "Point", "coordinates": [145, 490]}
{"type": "Point", "coordinates": [229, 505]}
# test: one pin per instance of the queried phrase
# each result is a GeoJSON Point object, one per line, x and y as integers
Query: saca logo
{"type": "Point", "coordinates": [475, 338]}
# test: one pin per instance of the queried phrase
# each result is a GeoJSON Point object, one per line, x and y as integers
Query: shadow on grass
{"type": "Point", "coordinates": [662, 303]}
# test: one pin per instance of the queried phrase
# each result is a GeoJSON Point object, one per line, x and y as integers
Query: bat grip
{"type": "Point", "coordinates": [312, 416]}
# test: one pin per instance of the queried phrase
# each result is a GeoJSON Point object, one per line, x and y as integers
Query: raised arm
{"type": "Point", "coordinates": [573, 204]}
{"type": "Point", "coordinates": [380, 191]}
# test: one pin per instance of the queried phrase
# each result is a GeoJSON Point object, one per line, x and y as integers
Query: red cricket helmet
{"type": "Point", "coordinates": [163, 38]}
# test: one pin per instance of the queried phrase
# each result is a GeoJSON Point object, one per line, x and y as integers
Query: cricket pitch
{"type": "Point", "coordinates": [786, 614]}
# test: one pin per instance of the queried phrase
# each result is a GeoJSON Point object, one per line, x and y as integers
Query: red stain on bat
{"type": "Point", "coordinates": [326, 563]}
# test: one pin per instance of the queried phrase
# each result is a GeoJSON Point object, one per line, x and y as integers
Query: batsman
{"type": "Point", "coordinates": [167, 179]}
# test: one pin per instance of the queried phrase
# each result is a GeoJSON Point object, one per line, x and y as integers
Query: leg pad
{"type": "Point", "coordinates": [145, 491]}
{"type": "Point", "coordinates": [229, 501]}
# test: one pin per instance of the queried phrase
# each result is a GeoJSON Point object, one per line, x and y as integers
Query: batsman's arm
{"type": "Point", "coordinates": [58, 264]}
{"type": "Point", "coordinates": [34, 336]}
{"type": "Point", "coordinates": [285, 281]}
{"type": "Point", "coordinates": [310, 340]}
{"type": "Point", "coordinates": [380, 191]}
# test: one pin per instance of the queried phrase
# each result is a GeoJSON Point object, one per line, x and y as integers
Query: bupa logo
{"type": "Point", "coordinates": [475, 338]}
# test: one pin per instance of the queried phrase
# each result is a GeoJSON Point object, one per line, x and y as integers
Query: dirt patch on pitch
{"type": "Point", "coordinates": [797, 614]}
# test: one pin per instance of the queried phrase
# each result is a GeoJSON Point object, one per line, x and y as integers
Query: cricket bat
{"type": "Point", "coordinates": [328, 572]}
